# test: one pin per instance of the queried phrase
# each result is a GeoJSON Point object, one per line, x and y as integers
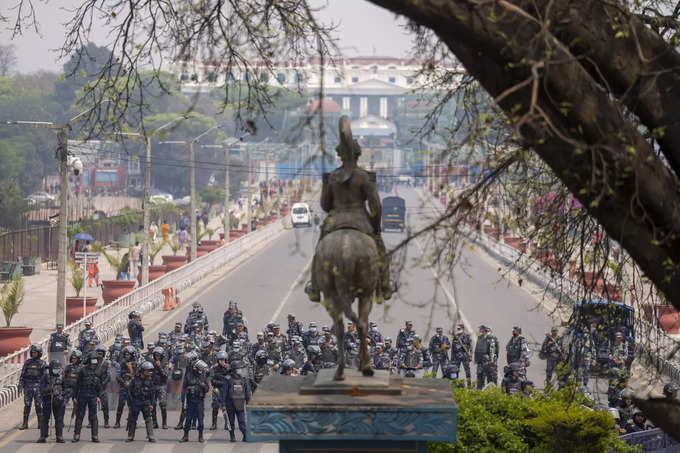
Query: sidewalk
{"type": "Point", "coordinates": [38, 309]}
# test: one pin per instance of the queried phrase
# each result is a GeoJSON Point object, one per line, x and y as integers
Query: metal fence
{"type": "Point", "coordinates": [113, 318]}
{"type": "Point", "coordinates": [653, 441]}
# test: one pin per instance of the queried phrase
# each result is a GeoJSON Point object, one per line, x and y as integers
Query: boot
{"type": "Point", "coordinates": [106, 419]}
{"type": "Point", "coordinates": [164, 415]}
{"type": "Point", "coordinates": [180, 424]}
{"type": "Point", "coordinates": [213, 427]}
{"type": "Point", "coordinates": [185, 438]}
{"type": "Point", "coordinates": [41, 440]}
{"type": "Point", "coordinates": [27, 412]}
{"type": "Point", "coordinates": [243, 433]}
{"type": "Point", "coordinates": [131, 432]}
{"type": "Point", "coordinates": [59, 431]}
{"type": "Point", "coordinates": [226, 422]}
{"type": "Point", "coordinates": [44, 431]}
{"type": "Point", "coordinates": [232, 436]}
{"type": "Point", "coordinates": [155, 419]}
{"type": "Point", "coordinates": [200, 436]}
{"type": "Point", "coordinates": [149, 431]}
{"type": "Point", "coordinates": [95, 430]}
{"type": "Point", "coordinates": [119, 413]}
{"type": "Point", "coordinates": [77, 428]}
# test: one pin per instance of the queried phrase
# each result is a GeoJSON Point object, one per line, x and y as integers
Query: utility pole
{"type": "Point", "coordinates": [146, 203]}
{"type": "Point", "coordinates": [62, 139]}
{"type": "Point", "coordinates": [248, 178]}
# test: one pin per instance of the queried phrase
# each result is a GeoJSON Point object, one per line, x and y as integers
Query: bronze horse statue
{"type": "Point", "coordinates": [350, 260]}
{"type": "Point", "coordinates": [347, 263]}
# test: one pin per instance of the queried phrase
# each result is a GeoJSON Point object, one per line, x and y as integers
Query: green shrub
{"type": "Point", "coordinates": [556, 422]}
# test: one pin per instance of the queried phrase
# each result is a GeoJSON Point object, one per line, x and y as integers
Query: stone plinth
{"type": "Point", "coordinates": [304, 414]}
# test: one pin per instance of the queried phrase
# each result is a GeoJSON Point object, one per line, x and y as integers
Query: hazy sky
{"type": "Point", "coordinates": [364, 29]}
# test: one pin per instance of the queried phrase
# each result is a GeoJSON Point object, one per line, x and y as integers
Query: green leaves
{"type": "Point", "coordinates": [11, 298]}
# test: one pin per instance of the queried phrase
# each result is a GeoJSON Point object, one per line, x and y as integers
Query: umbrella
{"type": "Point", "coordinates": [83, 237]}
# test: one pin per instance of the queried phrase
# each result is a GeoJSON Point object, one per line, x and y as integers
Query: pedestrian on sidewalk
{"type": "Point", "coordinates": [153, 231]}
{"type": "Point", "coordinates": [135, 257]}
{"type": "Point", "coordinates": [92, 274]}
{"type": "Point", "coordinates": [182, 239]}
{"type": "Point", "coordinates": [125, 273]}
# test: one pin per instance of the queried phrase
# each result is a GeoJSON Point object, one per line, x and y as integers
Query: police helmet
{"type": "Point", "coordinates": [158, 350]}
{"type": "Point", "coordinates": [287, 364]}
{"type": "Point", "coordinates": [439, 329]}
{"type": "Point", "coordinates": [129, 350]}
{"type": "Point", "coordinates": [627, 394]}
{"type": "Point", "coordinates": [326, 329]}
{"type": "Point", "coordinates": [515, 366]}
{"type": "Point", "coordinates": [100, 348]}
{"type": "Point", "coordinates": [388, 340]}
{"type": "Point", "coordinates": [88, 322]}
{"type": "Point", "coordinates": [55, 364]}
{"type": "Point", "coordinates": [291, 316]}
{"type": "Point", "coordinates": [260, 335]}
{"type": "Point", "coordinates": [528, 383]}
{"type": "Point", "coordinates": [192, 356]}
{"type": "Point", "coordinates": [260, 354]}
{"type": "Point", "coordinates": [380, 345]}
{"type": "Point", "coordinates": [618, 334]}
{"type": "Point", "coordinates": [200, 366]}
{"type": "Point", "coordinates": [314, 349]}
{"type": "Point", "coordinates": [77, 354]}
{"type": "Point", "coordinates": [670, 390]}
{"type": "Point", "coordinates": [150, 346]}
{"type": "Point", "coordinates": [36, 348]}
{"type": "Point", "coordinates": [130, 315]}
{"type": "Point", "coordinates": [147, 366]}
{"type": "Point", "coordinates": [222, 355]}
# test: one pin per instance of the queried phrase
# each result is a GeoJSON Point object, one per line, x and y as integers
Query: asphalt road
{"type": "Point", "coordinates": [270, 286]}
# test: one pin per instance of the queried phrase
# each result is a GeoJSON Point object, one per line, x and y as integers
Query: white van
{"type": "Point", "coordinates": [301, 215]}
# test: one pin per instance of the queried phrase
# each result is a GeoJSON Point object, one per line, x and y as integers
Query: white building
{"type": "Point", "coordinates": [361, 86]}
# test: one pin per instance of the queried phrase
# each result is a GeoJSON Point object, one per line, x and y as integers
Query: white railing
{"type": "Point", "coordinates": [113, 318]}
{"type": "Point", "coordinates": [560, 285]}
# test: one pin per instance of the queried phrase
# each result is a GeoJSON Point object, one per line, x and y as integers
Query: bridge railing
{"type": "Point", "coordinates": [113, 318]}
{"type": "Point", "coordinates": [560, 285]}
{"type": "Point", "coordinates": [652, 441]}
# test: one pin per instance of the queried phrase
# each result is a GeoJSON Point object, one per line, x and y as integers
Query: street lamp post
{"type": "Point", "coordinates": [193, 230]}
{"type": "Point", "coordinates": [226, 223]}
{"type": "Point", "coordinates": [146, 208]}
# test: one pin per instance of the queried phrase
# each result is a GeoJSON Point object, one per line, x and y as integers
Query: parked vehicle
{"type": "Point", "coordinates": [41, 197]}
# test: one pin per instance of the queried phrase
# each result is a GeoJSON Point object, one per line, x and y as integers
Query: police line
{"type": "Point", "coordinates": [646, 334]}
{"type": "Point", "coordinates": [113, 318]}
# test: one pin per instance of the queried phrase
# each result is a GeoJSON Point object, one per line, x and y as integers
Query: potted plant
{"type": "Point", "coordinates": [174, 261]}
{"type": "Point", "coordinates": [155, 271]}
{"type": "Point", "coordinates": [113, 289]}
{"type": "Point", "coordinates": [74, 304]}
{"type": "Point", "coordinates": [210, 243]}
{"type": "Point", "coordinates": [235, 232]}
{"type": "Point", "coordinates": [11, 297]}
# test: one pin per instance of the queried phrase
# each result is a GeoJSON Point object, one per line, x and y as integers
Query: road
{"type": "Point", "coordinates": [270, 285]}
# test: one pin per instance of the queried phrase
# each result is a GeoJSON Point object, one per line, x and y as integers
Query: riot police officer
{"type": "Point", "coordinates": [52, 391]}
{"type": "Point", "coordinates": [374, 334]}
{"type": "Point", "coordinates": [486, 356]}
{"type": "Point", "coordinates": [294, 327]}
{"type": "Point", "coordinates": [329, 354]}
{"type": "Point", "coordinates": [311, 336]}
{"type": "Point", "coordinates": [517, 349]}
{"type": "Point", "coordinates": [551, 352]}
{"type": "Point", "coordinates": [59, 344]}
{"type": "Point", "coordinates": [175, 335]}
{"type": "Point", "coordinates": [84, 335]}
{"type": "Point", "coordinates": [189, 359]}
{"type": "Point", "coordinates": [512, 382]}
{"type": "Point", "coordinates": [381, 360]}
{"type": "Point", "coordinates": [404, 334]}
{"type": "Point", "coordinates": [29, 381]}
{"type": "Point", "coordinates": [313, 363]}
{"type": "Point", "coordinates": [71, 375]}
{"type": "Point", "coordinates": [236, 395]}
{"type": "Point", "coordinates": [135, 330]}
{"type": "Point", "coordinates": [461, 351]}
{"type": "Point", "coordinates": [195, 386]}
{"type": "Point", "coordinates": [141, 400]}
{"type": "Point", "coordinates": [439, 350]}
{"type": "Point", "coordinates": [230, 318]}
{"type": "Point", "coordinates": [410, 359]}
{"type": "Point", "coordinates": [128, 370]}
{"type": "Point", "coordinates": [104, 374]}
{"type": "Point", "coordinates": [160, 387]}
{"type": "Point", "coordinates": [218, 374]}
{"type": "Point", "coordinates": [88, 390]}
{"type": "Point", "coordinates": [260, 366]}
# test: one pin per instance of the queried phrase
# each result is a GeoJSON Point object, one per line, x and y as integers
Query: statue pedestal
{"type": "Point", "coordinates": [361, 414]}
